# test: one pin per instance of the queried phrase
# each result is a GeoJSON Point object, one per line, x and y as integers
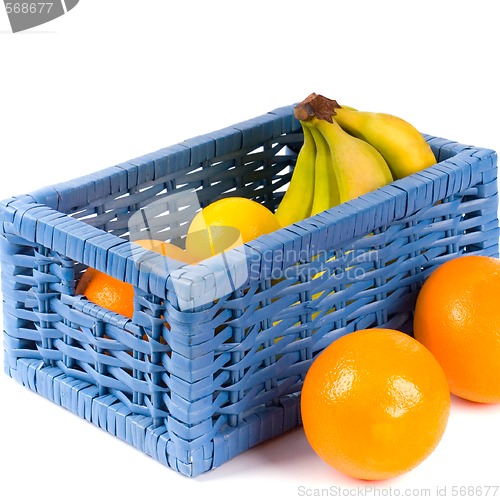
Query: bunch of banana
{"type": "Point", "coordinates": [347, 153]}
{"type": "Point", "coordinates": [403, 147]}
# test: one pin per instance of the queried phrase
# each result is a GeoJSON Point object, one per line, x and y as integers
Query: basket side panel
{"type": "Point", "coordinates": [32, 276]}
{"type": "Point", "coordinates": [20, 333]}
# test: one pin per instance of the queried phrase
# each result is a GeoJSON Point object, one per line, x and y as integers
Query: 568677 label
{"type": "Point", "coordinates": [28, 8]}
{"type": "Point", "coordinates": [28, 14]}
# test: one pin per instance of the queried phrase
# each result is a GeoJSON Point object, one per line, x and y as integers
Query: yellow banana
{"type": "Point", "coordinates": [326, 193]}
{"type": "Point", "coordinates": [349, 107]}
{"type": "Point", "coordinates": [298, 199]}
{"type": "Point", "coordinates": [359, 168]}
{"type": "Point", "coordinates": [400, 143]}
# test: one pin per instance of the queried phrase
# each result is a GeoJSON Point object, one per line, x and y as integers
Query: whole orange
{"type": "Point", "coordinates": [107, 292]}
{"type": "Point", "coordinates": [375, 403]}
{"type": "Point", "coordinates": [116, 295]}
{"type": "Point", "coordinates": [457, 317]}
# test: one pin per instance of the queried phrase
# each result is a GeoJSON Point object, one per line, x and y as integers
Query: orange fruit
{"type": "Point", "coordinates": [167, 249]}
{"type": "Point", "coordinates": [228, 223]}
{"type": "Point", "coordinates": [375, 404]}
{"type": "Point", "coordinates": [457, 317]}
{"type": "Point", "coordinates": [116, 295]}
{"type": "Point", "coordinates": [107, 292]}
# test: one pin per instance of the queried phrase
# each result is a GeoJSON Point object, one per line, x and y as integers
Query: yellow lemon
{"type": "Point", "coordinates": [226, 224]}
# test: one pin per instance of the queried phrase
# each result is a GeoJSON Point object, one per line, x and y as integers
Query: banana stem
{"type": "Point", "coordinates": [316, 105]}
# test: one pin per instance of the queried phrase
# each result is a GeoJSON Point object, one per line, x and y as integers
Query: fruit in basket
{"type": "Point", "coordinates": [375, 404]}
{"type": "Point", "coordinates": [167, 249]}
{"type": "Point", "coordinates": [107, 292]}
{"type": "Point", "coordinates": [457, 319]}
{"type": "Point", "coordinates": [332, 167]}
{"type": "Point", "coordinates": [345, 167]}
{"type": "Point", "coordinates": [357, 166]}
{"type": "Point", "coordinates": [228, 223]}
{"type": "Point", "coordinates": [298, 199]}
{"type": "Point", "coordinates": [400, 143]}
{"type": "Point", "coordinates": [326, 188]}
{"type": "Point", "coordinates": [364, 151]}
{"type": "Point", "coordinates": [117, 295]}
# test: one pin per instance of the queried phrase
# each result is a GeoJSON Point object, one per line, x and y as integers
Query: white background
{"type": "Point", "coordinates": [115, 79]}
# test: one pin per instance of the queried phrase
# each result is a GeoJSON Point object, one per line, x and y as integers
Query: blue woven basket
{"type": "Point", "coordinates": [202, 372]}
